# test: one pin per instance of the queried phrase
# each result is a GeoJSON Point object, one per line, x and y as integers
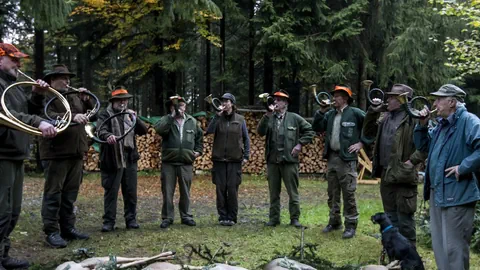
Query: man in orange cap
{"type": "Point", "coordinates": [118, 160]}
{"type": "Point", "coordinates": [286, 133]}
{"type": "Point", "coordinates": [343, 140]}
{"type": "Point", "coordinates": [14, 147]}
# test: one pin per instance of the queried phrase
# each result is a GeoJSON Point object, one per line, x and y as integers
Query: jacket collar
{"type": "Point", "coordinates": [7, 77]}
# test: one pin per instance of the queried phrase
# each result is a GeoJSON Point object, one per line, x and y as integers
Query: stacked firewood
{"type": "Point", "coordinates": [149, 148]}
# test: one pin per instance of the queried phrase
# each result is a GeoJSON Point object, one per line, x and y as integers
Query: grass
{"type": "Point", "coordinates": [249, 243]}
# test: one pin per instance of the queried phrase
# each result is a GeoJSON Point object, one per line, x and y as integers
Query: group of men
{"type": "Point", "coordinates": [62, 154]}
{"type": "Point", "coordinates": [401, 142]}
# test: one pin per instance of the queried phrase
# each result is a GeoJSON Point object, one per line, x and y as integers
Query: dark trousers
{"type": "Point", "coordinates": [62, 182]}
{"type": "Point", "coordinates": [400, 204]}
{"type": "Point", "coordinates": [11, 188]}
{"type": "Point", "coordinates": [289, 173]}
{"type": "Point", "coordinates": [111, 182]}
{"type": "Point", "coordinates": [342, 182]}
{"type": "Point", "coordinates": [170, 174]}
{"type": "Point", "coordinates": [227, 176]}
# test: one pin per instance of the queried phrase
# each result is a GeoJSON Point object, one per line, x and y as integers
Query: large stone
{"type": "Point", "coordinates": [71, 266]}
{"type": "Point", "coordinates": [285, 263]}
{"type": "Point", "coordinates": [374, 267]}
{"type": "Point", "coordinates": [163, 266]}
{"type": "Point", "coordinates": [221, 266]}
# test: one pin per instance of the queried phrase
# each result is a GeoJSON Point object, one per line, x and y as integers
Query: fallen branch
{"type": "Point", "coordinates": [162, 256]}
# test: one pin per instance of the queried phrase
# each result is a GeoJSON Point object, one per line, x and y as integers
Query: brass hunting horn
{"type": "Point", "coordinates": [211, 100]}
{"type": "Point", "coordinates": [11, 121]}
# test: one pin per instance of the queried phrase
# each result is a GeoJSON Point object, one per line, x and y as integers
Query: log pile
{"type": "Point", "coordinates": [149, 148]}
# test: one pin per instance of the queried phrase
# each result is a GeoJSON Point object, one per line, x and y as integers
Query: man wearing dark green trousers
{"type": "Point", "coordinates": [182, 142]}
{"type": "Point", "coordinates": [15, 148]}
{"type": "Point", "coordinates": [63, 160]}
{"type": "Point", "coordinates": [285, 133]}
{"type": "Point", "coordinates": [343, 129]}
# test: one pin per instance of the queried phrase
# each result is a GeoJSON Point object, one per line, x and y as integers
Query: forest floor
{"type": "Point", "coordinates": [248, 243]}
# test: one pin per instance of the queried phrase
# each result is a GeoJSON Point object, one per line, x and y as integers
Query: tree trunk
{"type": "Point", "coordinates": [157, 108]}
{"type": "Point", "coordinates": [39, 58]}
{"type": "Point", "coordinates": [208, 85]}
{"type": "Point", "coordinates": [222, 52]}
{"type": "Point", "coordinates": [267, 73]}
{"type": "Point", "coordinates": [251, 62]}
{"type": "Point", "coordinates": [201, 75]}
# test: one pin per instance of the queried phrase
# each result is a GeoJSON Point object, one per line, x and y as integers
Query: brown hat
{"type": "Point", "coordinates": [57, 71]}
{"type": "Point", "coordinates": [119, 93]}
{"type": "Point", "coordinates": [7, 49]}
{"type": "Point", "coordinates": [398, 89]}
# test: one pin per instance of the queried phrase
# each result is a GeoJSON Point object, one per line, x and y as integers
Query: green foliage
{"type": "Point", "coordinates": [47, 14]}
{"type": "Point", "coordinates": [464, 52]}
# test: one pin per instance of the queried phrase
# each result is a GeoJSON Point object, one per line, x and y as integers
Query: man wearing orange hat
{"type": "Point", "coordinates": [343, 140]}
{"type": "Point", "coordinates": [118, 160]}
{"type": "Point", "coordinates": [286, 133]}
{"type": "Point", "coordinates": [395, 158]}
{"type": "Point", "coordinates": [14, 147]}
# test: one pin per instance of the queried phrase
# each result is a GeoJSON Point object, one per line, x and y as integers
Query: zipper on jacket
{"type": "Point", "coordinates": [226, 141]}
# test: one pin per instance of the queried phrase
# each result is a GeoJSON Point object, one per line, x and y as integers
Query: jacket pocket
{"type": "Point", "coordinates": [404, 173]}
{"type": "Point", "coordinates": [407, 201]}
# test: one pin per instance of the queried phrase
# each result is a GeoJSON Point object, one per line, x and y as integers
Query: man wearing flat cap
{"type": "Point", "coordinates": [395, 158]}
{"type": "Point", "coordinates": [285, 135]}
{"type": "Point", "coordinates": [118, 159]}
{"type": "Point", "coordinates": [453, 157]}
{"type": "Point", "coordinates": [231, 149]}
{"type": "Point", "coordinates": [182, 143]}
{"type": "Point", "coordinates": [343, 128]}
{"type": "Point", "coordinates": [14, 146]}
{"type": "Point", "coordinates": [62, 158]}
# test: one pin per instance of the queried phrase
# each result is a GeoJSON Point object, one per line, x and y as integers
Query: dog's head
{"type": "Point", "coordinates": [381, 218]}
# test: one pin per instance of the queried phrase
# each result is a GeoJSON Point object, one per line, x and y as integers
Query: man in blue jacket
{"type": "Point", "coordinates": [453, 157]}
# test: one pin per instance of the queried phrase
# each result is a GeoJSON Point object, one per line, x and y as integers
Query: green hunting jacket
{"type": "Point", "coordinates": [174, 150]}
{"type": "Point", "coordinates": [297, 131]}
{"type": "Point", "coordinates": [403, 149]}
{"type": "Point", "coordinates": [351, 125]}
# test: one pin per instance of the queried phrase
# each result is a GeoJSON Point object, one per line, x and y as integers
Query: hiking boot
{"type": "Point", "coordinates": [189, 222]}
{"type": "Point", "coordinates": [108, 228]}
{"type": "Point", "coordinates": [12, 263]}
{"type": "Point", "coordinates": [294, 222]}
{"type": "Point", "coordinates": [73, 234]}
{"type": "Point", "coordinates": [55, 240]}
{"type": "Point", "coordinates": [348, 233]}
{"type": "Point", "coordinates": [132, 225]}
{"type": "Point", "coordinates": [165, 224]}
{"type": "Point", "coordinates": [272, 223]}
{"type": "Point", "coordinates": [331, 228]}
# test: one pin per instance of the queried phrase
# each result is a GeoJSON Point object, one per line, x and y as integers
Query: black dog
{"type": "Point", "coordinates": [396, 245]}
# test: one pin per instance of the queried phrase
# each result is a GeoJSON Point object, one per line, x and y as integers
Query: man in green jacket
{"type": "Point", "coordinates": [285, 133]}
{"type": "Point", "coordinates": [395, 158]}
{"type": "Point", "coordinates": [182, 142]}
{"type": "Point", "coordinates": [343, 140]}
{"type": "Point", "coordinates": [62, 157]}
{"type": "Point", "coordinates": [15, 148]}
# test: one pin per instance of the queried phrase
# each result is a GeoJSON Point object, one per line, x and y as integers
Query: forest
{"type": "Point", "coordinates": [246, 47]}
